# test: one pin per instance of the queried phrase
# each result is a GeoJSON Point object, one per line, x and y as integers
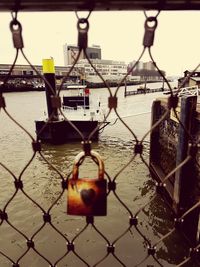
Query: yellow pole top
{"type": "Point", "coordinates": [48, 65]}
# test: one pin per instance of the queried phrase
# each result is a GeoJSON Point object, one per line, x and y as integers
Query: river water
{"type": "Point", "coordinates": [42, 183]}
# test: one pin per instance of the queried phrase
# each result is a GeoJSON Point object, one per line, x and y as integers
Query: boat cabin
{"type": "Point", "coordinates": [80, 99]}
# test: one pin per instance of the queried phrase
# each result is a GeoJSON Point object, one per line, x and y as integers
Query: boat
{"type": "Point", "coordinates": [75, 87]}
{"type": "Point", "coordinates": [76, 100]}
{"type": "Point", "coordinates": [80, 113]}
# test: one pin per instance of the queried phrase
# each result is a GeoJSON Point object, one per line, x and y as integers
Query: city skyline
{"type": "Point", "coordinates": [120, 35]}
{"type": "Point", "coordinates": [70, 53]}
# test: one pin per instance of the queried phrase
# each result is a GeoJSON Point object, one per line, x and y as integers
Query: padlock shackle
{"type": "Point", "coordinates": [81, 156]}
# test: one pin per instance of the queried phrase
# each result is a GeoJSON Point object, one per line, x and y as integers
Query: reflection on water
{"type": "Point", "coordinates": [43, 184]}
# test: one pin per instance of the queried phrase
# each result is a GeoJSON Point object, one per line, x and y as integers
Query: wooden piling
{"type": "Point", "coordinates": [154, 138]}
{"type": "Point", "coordinates": [125, 88]}
{"type": "Point", "coordinates": [181, 191]}
{"type": "Point", "coordinates": [185, 177]}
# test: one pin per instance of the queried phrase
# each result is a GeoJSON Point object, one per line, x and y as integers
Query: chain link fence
{"type": "Point", "coordinates": [84, 242]}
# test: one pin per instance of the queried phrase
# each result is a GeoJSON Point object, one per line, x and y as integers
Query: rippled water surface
{"type": "Point", "coordinates": [43, 184]}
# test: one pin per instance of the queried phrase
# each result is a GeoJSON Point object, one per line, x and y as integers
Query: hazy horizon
{"type": "Point", "coordinates": [119, 34]}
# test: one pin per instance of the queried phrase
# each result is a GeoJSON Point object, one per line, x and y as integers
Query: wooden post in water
{"type": "Point", "coordinates": [163, 84]}
{"type": "Point", "coordinates": [145, 84]}
{"type": "Point", "coordinates": [125, 89]}
{"type": "Point", "coordinates": [185, 177]}
{"type": "Point", "coordinates": [154, 137]}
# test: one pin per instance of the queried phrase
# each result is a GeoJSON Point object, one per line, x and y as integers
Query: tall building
{"type": "Point", "coordinates": [71, 52]}
{"type": "Point", "coordinates": [139, 66]}
{"type": "Point", "coordinates": [94, 52]}
{"type": "Point", "coordinates": [142, 65]}
{"type": "Point", "coordinates": [149, 66]}
{"type": "Point", "coordinates": [146, 71]}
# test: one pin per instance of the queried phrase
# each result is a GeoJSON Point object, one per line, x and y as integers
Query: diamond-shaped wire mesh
{"type": "Point", "coordinates": [140, 225]}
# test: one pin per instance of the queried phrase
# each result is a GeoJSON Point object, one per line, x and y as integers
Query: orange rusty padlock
{"type": "Point", "coordinates": [87, 196]}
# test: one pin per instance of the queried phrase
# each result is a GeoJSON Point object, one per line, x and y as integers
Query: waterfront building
{"type": "Point", "coordinates": [193, 80]}
{"type": "Point", "coordinates": [142, 65]}
{"type": "Point", "coordinates": [25, 75]}
{"type": "Point", "coordinates": [27, 70]}
{"type": "Point", "coordinates": [149, 66]}
{"type": "Point", "coordinates": [139, 66]}
{"type": "Point", "coordinates": [145, 70]}
{"type": "Point", "coordinates": [94, 52]}
{"type": "Point", "coordinates": [71, 52]}
{"type": "Point", "coordinates": [111, 70]}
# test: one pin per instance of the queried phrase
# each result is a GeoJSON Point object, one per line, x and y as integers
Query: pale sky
{"type": "Point", "coordinates": [120, 35]}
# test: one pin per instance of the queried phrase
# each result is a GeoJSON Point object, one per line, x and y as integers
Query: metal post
{"type": "Point", "coordinates": [50, 86]}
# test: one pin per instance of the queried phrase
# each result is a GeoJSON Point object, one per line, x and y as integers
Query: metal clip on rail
{"type": "Point", "coordinates": [149, 31]}
{"type": "Point", "coordinates": [83, 26]}
{"type": "Point", "coordinates": [16, 29]}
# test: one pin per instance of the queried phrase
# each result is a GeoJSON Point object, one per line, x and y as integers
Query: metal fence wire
{"type": "Point", "coordinates": [91, 224]}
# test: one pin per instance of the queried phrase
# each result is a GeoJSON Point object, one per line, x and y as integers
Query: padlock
{"type": "Point", "coordinates": [87, 197]}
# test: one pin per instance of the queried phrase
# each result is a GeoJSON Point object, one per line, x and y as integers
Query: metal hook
{"type": "Point", "coordinates": [14, 15]}
{"type": "Point", "coordinates": [16, 9]}
{"type": "Point", "coordinates": [83, 21]}
{"type": "Point", "coordinates": [16, 29]}
{"type": "Point", "coordinates": [86, 17]}
{"type": "Point", "coordinates": [149, 31]}
{"type": "Point", "coordinates": [82, 33]}
{"type": "Point", "coordinates": [145, 13]}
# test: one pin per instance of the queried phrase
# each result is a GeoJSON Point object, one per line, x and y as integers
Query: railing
{"type": "Point", "coordinates": [192, 90]}
{"type": "Point", "coordinates": [144, 91]}
{"type": "Point", "coordinates": [61, 5]}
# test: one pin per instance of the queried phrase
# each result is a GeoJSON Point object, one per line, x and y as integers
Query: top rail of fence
{"type": "Point", "coordinates": [98, 5]}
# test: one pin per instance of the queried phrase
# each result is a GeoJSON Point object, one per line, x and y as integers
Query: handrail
{"type": "Point", "coordinates": [98, 5]}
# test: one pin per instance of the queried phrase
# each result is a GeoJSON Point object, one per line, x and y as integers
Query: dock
{"type": "Point", "coordinates": [174, 159]}
{"type": "Point", "coordinates": [147, 91]}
